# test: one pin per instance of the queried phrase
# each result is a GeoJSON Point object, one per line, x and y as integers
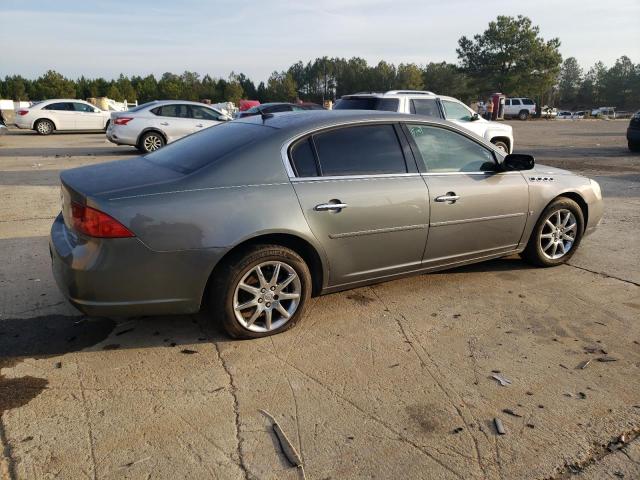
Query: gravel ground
{"type": "Point", "coordinates": [389, 381]}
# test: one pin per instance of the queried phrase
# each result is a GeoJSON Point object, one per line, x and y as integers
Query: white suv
{"type": "Point", "coordinates": [152, 125]}
{"type": "Point", "coordinates": [432, 105]}
{"type": "Point", "coordinates": [523, 108]}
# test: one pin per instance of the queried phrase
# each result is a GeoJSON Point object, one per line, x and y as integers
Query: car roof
{"type": "Point", "coordinates": [158, 103]}
{"type": "Point", "coordinates": [316, 119]}
{"type": "Point", "coordinates": [53, 100]}
{"type": "Point", "coordinates": [392, 93]}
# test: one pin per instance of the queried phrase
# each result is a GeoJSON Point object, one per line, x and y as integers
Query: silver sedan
{"type": "Point", "coordinates": [255, 216]}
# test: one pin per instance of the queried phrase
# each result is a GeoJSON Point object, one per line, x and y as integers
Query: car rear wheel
{"type": "Point", "coordinates": [523, 115]}
{"type": "Point", "coordinates": [634, 147]}
{"type": "Point", "coordinates": [500, 145]}
{"type": "Point", "coordinates": [556, 235]}
{"type": "Point", "coordinates": [106, 125]}
{"type": "Point", "coordinates": [44, 127]}
{"type": "Point", "coordinates": [261, 292]}
{"type": "Point", "coordinates": [150, 142]}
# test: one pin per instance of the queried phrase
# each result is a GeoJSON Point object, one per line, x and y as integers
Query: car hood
{"type": "Point", "coordinates": [499, 126]}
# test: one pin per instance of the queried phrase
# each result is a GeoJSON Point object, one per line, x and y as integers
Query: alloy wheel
{"type": "Point", "coordinates": [152, 143]}
{"type": "Point", "coordinates": [558, 234]}
{"type": "Point", "coordinates": [44, 128]}
{"type": "Point", "coordinates": [267, 296]}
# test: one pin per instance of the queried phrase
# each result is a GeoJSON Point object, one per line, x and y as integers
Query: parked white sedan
{"type": "Point", "coordinates": [152, 125]}
{"type": "Point", "coordinates": [62, 114]}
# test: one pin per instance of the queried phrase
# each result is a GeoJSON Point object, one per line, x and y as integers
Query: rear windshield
{"type": "Point", "coordinates": [368, 103]}
{"type": "Point", "coordinates": [203, 148]}
{"type": "Point", "coordinates": [140, 107]}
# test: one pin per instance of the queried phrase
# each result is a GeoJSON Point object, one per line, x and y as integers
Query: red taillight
{"type": "Point", "coordinates": [94, 223]}
{"type": "Point", "coordinates": [22, 113]}
{"type": "Point", "coordinates": [122, 120]}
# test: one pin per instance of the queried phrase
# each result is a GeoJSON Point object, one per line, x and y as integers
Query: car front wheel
{"type": "Point", "coordinates": [261, 292]}
{"type": "Point", "coordinates": [633, 146]}
{"type": "Point", "coordinates": [556, 235]}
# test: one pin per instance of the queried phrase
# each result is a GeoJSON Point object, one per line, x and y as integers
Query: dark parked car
{"type": "Point", "coordinates": [633, 133]}
{"type": "Point", "coordinates": [254, 216]}
{"type": "Point", "coordinates": [274, 107]}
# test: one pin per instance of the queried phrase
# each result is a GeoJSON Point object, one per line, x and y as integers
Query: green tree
{"type": "Point", "coordinates": [52, 85]}
{"type": "Point", "coordinates": [409, 77]}
{"type": "Point", "coordinates": [570, 81]}
{"type": "Point", "coordinates": [125, 87]}
{"type": "Point", "coordinates": [146, 88]}
{"type": "Point", "coordinates": [170, 87]}
{"type": "Point", "coordinates": [510, 56]}
{"type": "Point", "coordinates": [15, 88]}
{"type": "Point", "coordinates": [620, 84]}
{"type": "Point", "coordinates": [281, 87]}
{"type": "Point", "coordinates": [233, 89]}
{"type": "Point", "coordinates": [382, 76]}
{"type": "Point", "coordinates": [447, 79]}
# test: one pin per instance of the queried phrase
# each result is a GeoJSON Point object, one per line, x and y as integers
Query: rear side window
{"type": "Point", "coordinates": [362, 150]}
{"type": "Point", "coordinates": [368, 103]}
{"type": "Point", "coordinates": [303, 159]}
{"type": "Point", "coordinates": [425, 106]}
{"type": "Point", "coordinates": [195, 151]}
{"type": "Point", "coordinates": [83, 107]}
{"type": "Point", "coordinates": [527, 101]}
{"type": "Point", "coordinates": [175, 111]}
{"type": "Point", "coordinates": [515, 101]}
{"type": "Point", "coordinates": [59, 106]}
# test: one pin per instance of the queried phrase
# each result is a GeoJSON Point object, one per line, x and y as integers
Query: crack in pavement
{"type": "Point", "coordinates": [399, 436]}
{"type": "Point", "coordinates": [598, 453]}
{"type": "Point", "coordinates": [87, 420]}
{"type": "Point", "coordinates": [7, 466]}
{"type": "Point", "coordinates": [437, 381]}
{"type": "Point", "coordinates": [234, 393]}
{"type": "Point", "coordinates": [602, 274]}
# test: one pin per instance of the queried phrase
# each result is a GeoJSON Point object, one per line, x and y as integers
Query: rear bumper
{"type": "Point", "coordinates": [120, 136]}
{"type": "Point", "coordinates": [122, 277]}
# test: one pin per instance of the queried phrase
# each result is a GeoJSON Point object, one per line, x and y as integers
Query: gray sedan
{"type": "Point", "coordinates": [253, 217]}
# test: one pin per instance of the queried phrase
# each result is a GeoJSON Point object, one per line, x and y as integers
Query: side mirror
{"type": "Point", "coordinates": [517, 161]}
{"type": "Point", "coordinates": [475, 117]}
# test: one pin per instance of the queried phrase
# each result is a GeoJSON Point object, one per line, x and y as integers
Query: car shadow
{"type": "Point", "coordinates": [68, 152]}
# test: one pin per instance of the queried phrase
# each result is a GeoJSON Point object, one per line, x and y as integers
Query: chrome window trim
{"type": "Point", "coordinates": [333, 178]}
{"type": "Point", "coordinates": [487, 173]}
{"type": "Point", "coordinates": [284, 149]}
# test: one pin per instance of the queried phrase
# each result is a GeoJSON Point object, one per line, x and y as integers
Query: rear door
{"type": "Point", "coordinates": [63, 114]}
{"type": "Point", "coordinates": [363, 199]}
{"type": "Point", "coordinates": [174, 120]}
{"type": "Point", "coordinates": [476, 211]}
{"type": "Point", "coordinates": [87, 117]}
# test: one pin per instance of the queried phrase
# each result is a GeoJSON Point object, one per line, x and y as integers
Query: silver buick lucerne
{"type": "Point", "coordinates": [254, 216]}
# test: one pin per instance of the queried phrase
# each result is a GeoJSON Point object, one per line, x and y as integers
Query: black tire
{"type": "Point", "coordinates": [44, 126]}
{"type": "Point", "coordinates": [502, 145]}
{"type": "Point", "coordinates": [150, 142]}
{"type": "Point", "coordinates": [106, 125]}
{"type": "Point", "coordinates": [234, 270]}
{"type": "Point", "coordinates": [523, 115]}
{"type": "Point", "coordinates": [633, 147]}
{"type": "Point", "coordinates": [534, 253]}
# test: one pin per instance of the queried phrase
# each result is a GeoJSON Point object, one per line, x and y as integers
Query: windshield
{"type": "Point", "coordinates": [203, 148]}
{"type": "Point", "coordinates": [368, 103]}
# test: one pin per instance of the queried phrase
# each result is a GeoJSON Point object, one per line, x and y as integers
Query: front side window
{"type": "Point", "coordinates": [445, 151]}
{"type": "Point", "coordinates": [83, 107]}
{"type": "Point", "coordinates": [59, 106]}
{"type": "Point", "coordinates": [203, 113]}
{"type": "Point", "coordinates": [361, 150]}
{"type": "Point", "coordinates": [456, 111]}
{"type": "Point", "coordinates": [425, 106]}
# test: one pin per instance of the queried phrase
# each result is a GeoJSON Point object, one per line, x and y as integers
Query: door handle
{"type": "Point", "coordinates": [448, 197]}
{"type": "Point", "coordinates": [324, 207]}
{"type": "Point", "coordinates": [165, 123]}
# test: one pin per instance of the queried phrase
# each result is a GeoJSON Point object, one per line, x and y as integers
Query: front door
{"type": "Point", "coordinates": [87, 117]}
{"type": "Point", "coordinates": [363, 200]}
{"type": "Point", "coordinates": [476, 211]}
{"type": "Point", "coordinates": [174, 120]}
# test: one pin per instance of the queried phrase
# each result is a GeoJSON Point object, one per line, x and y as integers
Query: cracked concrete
{"type": "Point", "coordinates": [389, 381]}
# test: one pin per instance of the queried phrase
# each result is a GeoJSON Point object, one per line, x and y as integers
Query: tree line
{"type": "Point", "coordinates": [510, 56]}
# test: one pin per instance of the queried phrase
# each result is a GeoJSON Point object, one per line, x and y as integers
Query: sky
{"type": "Point", "coordinates": [256, 37]}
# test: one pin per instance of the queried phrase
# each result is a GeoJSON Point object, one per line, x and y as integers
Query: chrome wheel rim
{"type": "Point", "coordinates": [152, 143]}
{"type": "Point", "coordinates": [267, 296]}
{"type": "Point", "coordinates": [558, 234]}
{"type": "Point", "coordinates": [44, 127]}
